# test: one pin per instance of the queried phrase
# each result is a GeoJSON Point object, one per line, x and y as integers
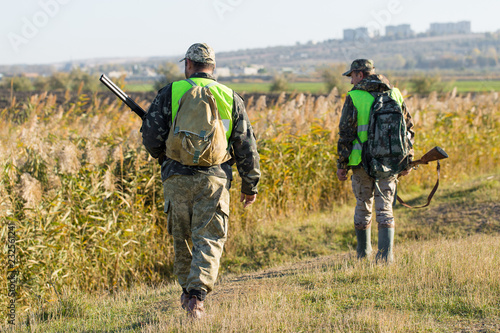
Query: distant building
{"type": "Point", "coordinates": [222, 71]}
{"type": "Point", "coordinates": [351, 35]}
{"type": "Point", "coordinates": [399, 31]}
{"type": "Point", "coordinates": [150, 72]}
{"type": "Point", "coordinates": [462, 27]}
{"type": "Point", "coordinates": [118, 74]}
{"type": "Point", "coordinates": [250, 70]}
{"type": "Point", "coordinates": [31, 75]}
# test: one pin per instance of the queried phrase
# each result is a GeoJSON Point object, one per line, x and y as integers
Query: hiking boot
{"type": "Point", "coordinates": [184, 300]}
{"type": "Point", "coordinates": [195, 308]}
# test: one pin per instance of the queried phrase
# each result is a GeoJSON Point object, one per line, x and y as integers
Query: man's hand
{"type": "Point", "coordinates": [247, 199]}
{"type": "Point", "coordinates": [342, 174]}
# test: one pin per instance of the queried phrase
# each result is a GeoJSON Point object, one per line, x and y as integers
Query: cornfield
{"type": "Point", "coordinates": [87, 202]}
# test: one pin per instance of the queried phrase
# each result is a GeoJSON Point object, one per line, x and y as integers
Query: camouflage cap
{"type": "Point", "coordinates": [361, 65]}
{"type": "Point", "coordinates": [200, 52]}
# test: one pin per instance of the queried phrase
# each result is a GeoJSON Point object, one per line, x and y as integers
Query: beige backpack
{"type": "Point", "coordinates": [197, 136]}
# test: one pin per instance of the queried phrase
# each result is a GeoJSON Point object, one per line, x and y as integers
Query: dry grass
{"type": "Point", "coordinates": [87, 200]}
{"type": "Point", "coordinates": [433, 286]}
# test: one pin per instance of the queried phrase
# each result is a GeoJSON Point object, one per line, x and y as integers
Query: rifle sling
{"type": "Point", "coordinates": [429, 198]}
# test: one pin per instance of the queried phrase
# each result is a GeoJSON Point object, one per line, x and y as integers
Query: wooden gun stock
{"type": "Point", "coordinates": [435, 154]}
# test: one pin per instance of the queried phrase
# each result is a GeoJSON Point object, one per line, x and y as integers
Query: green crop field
{"type": "Point", "coordinates": [310, 87]}
{"type": "Point", "coordinates": [139, 87]}
{"type": "Point", "coordinates": [477, 86]}
{"type": "Point", "coordinates": [320, 88]}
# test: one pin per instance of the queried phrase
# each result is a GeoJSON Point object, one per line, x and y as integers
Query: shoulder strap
{"type": "Point", "coordinates": [207, 86]}
{"type": "Point", "coordinates": [211, 84]}
{"type": "Point", "coordinates": [429, 198]}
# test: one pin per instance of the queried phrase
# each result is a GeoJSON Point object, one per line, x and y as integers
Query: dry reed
{"type": "Point", "coordinates": [87, 200]}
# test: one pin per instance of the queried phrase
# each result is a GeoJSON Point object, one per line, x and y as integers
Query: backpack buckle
{"type": "Point", "coordinates": [196, 157]}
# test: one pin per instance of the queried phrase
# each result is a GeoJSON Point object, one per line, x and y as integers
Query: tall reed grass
{"type": "Point", "coordinates": [87, 199]}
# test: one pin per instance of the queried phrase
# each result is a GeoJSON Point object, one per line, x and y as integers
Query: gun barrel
{"type": "Point", "coordinates": [113, 87]}
{"type": "Point", "coordinates": [121, 95]}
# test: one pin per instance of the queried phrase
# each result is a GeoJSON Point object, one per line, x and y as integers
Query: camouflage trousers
{"type": "Point", "coordinates": [198, 210]}
{"type": "Point", "coordinates": [366, 192]}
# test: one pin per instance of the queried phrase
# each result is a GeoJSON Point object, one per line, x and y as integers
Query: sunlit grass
{"type": "Point", "coordinates": [433, 286]}
{"type": "Point", "coordinates": [87, 199]}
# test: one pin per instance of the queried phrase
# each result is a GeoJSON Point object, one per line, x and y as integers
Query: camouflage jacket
{"type": "Point", "coordinates": [158, 121]}
{"type": "Point", "coordinates": [348, 125]}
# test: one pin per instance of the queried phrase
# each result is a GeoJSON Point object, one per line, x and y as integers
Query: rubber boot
{"type": "Point", "coordinates": [385, 245]}
{"type": "Point", "coordinates": [364, 248]}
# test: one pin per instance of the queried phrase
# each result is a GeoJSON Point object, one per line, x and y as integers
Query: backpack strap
{"type": "Point", "coordinates": [429, 198]}
{"type": "Point", "coordinates": [211, 84]}
{"type": "Point", "coordinates": [191, 82]}
{"type": "Point", "coordinates": [207, 86]}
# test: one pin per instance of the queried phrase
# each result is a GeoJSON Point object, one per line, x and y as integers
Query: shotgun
{"type": "Point", "coordinates": [435, 154]}
{"type": "Point", "coordinates": [121, 95]}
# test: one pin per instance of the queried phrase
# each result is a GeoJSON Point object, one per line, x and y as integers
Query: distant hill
{"type": "Point", "coordinates": [445, 52]}
{"type": "Point", "coordinates": [470, 53]}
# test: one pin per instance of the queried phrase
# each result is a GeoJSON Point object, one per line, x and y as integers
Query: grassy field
{"type": "Point", "coordinates": [476, 86]}
{"type": "Point", "coordinates": [85, 200]}
{"type": "Point", "coordinates": [310, 87]}
{"type": "Point", "coordinates": [444, 279]}
{"type": "Point", "coordinates": [320, 88]}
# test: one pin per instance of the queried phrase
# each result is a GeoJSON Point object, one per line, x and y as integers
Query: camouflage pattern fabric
{"type": "Point", "coordinates": [348, 125]}
{"type": "Point", "coordinates": [158, 121]}
{"type": "Point", "coordinates": [386, 151]}
{"type": "Point", "coordinates": [200, 52]}
{"type": "Point", "coordinates": [365, 65]}
{"type": "Point", "coordinates": [363, 186]}
{"type": "Point", "coordinates": [365, 191]}
{"type": "Point", "coordinates": [198, 210]}
{"type": "Point", "coordinates": [197, 198]}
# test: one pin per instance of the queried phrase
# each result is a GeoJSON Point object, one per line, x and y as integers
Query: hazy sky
{"type": "Point", "coordinates": [44, 31]}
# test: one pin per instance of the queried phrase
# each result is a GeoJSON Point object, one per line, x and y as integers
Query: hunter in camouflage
{"type": "Point", "coordinates": [363, 77]}
{"type": "Point", "coordinates": [197, 198]}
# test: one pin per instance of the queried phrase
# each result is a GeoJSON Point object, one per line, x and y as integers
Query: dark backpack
{"type": "Point", "coordinates": [386, 151]}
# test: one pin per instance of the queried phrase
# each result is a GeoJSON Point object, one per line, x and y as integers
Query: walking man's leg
{"type": "Point", "coordinates": [179, 209]}
{"type": "Point", "coordinates": [209, 233]}
{"type": "Point", "coordinates": [362, 187]}
{"type": "Point", "coordinates": [384, 198]}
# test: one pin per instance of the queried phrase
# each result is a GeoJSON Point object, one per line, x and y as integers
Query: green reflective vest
{"type": "Point", "coordinates": [222, 94]}
{"type": "Point", "coordinates": [363, 101]}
